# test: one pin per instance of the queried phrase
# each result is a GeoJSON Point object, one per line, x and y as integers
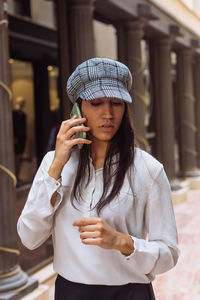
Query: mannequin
{"type": "Point", "coordinates": [19, 127]}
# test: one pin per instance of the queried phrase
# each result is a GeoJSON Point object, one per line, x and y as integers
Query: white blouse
{"type": "Point", "coordinates": [143, 209]}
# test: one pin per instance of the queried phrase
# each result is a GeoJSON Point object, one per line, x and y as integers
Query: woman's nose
{"type": "Point", "coordinates": [107, 110]}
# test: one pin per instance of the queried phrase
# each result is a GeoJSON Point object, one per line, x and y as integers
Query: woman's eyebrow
{"type": "Point", "coordinates": [97, 100]}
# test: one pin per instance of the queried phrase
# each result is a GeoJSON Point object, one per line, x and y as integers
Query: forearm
{"type": "Point", "coordinates": [33, 230]}
{"type": "Point", "coordinates": [124, 243]}
{"type": "Point", "coordinates": [55, 169]}
{"type": "Point", "coordinates": [55, 172]}
{"type": "Point", "coordinates": [36, 220]}
{"type": "Point", "coordinates": [95, 231]}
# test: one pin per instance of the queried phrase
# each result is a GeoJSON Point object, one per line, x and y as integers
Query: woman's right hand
{"type": "Point", "coordinates": [65, 140]}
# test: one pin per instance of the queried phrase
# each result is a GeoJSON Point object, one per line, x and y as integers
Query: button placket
{"type": "Point", "coordinates": [88, 195]}
{"type": "Point", "coordinates": [93, 191]}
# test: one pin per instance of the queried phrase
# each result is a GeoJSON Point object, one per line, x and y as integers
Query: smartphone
{"type": "Point", "coordinates": [76, 111]}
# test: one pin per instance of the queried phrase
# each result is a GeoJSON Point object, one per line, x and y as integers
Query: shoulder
{"type": "Point", "coordinates": [146, 165]}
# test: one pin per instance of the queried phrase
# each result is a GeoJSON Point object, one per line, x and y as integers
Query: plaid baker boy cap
{"type": "Point", "coordinates": [99, 78]}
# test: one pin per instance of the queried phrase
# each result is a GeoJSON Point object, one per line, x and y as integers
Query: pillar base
{"type": "Point", "coordinates": [179, 196]}
{"type": "Point", "coordinates": [42, 292]}
{"type": "Point", "coordinates": [175, 185]}
{"type": "Point", "coordinates": [192, 173]}
{"type": "Point", "coordinates": [16, 286]}
{"type": "Point", "coordinates": [194, 182]}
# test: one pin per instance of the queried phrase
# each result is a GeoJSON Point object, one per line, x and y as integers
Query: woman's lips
{"type": "Point", "coordinates": [107, 127]}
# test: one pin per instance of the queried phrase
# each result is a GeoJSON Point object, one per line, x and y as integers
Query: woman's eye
{"type": "Point", "coordinates": [116, 103]}
{"type": "Point", "coordinates": [95, 104]}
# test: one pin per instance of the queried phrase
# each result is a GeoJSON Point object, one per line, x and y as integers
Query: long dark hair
{"type": "Point", "coordinates": [121, 145]}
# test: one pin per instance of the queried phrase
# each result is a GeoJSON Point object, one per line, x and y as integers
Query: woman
{"type": "Point", "coordinates": [108, 206]}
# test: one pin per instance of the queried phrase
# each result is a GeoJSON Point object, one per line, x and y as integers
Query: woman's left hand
{"type": "Point", "coordinates": [95, 231]}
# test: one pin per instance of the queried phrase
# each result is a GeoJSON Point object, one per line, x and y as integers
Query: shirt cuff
{"type": "Point", "coordinates": [143, 246]}
{"type": "Point", "coordinates": [135, 249]}
{"type": "Point", "coordinates": [52, 186]}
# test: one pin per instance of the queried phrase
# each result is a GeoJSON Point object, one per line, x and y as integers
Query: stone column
{"type": "Point", "coordinates": [42, 109]}
{"type": "Point", "coordinates": [154, 124]}
{"type": "Point", "coordinates": [63, 48]}
{"type": "Point", "coordinates": [11, 276]}
{"type": "Point", "coordinates": [81, 39]}
{"type": "Point", "coordinates": [165, 103]}
{"type": "Point", "coordinates": [197, 105]}
{"type": "Point", "coordinates": [121, 47]}
{"type": "Point", "coordinates": [186, 101]}
{"type": "Point", "coordinates": [14, 283]}
{"type": "Point", "coordinates": [131, 55]}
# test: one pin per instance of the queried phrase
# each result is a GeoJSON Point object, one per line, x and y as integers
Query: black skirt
{"type": "Point", "coordinates": [67, 290]}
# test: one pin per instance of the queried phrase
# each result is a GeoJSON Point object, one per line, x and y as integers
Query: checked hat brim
{"type": "Point", "coordinates": [105, 92]}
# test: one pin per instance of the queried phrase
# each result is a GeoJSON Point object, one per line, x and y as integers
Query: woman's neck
{"type": "Point", "coordinates": [98, 153]}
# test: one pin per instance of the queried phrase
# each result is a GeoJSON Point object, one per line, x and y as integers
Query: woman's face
{"type": "Point", "coordinates": [104, 116]}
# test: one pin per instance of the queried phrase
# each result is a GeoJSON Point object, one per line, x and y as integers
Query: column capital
{"type": "Point", "coordinates": [80, 30]}
{"type": "Point", "coordinates": [186, 53]}
{"type": "Point", "coordinates": [165, 43]}
{"type": "Point", "coordinates": [80, 4]}
{"type": "Point", "coordinates": [136, 27]}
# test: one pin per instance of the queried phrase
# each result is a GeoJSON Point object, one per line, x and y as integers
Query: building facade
{"type": "Point", "coordinates": [43, 41]}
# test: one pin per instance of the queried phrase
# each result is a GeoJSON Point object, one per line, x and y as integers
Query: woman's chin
{"type": "Point", "coordinates": [102, 138]}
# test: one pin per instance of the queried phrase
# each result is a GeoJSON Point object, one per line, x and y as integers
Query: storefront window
{"type": "Point", "coordinates": [23, 110]}
{"type": "Point", "coordinates": [23, 120]}
{"type": "Point", "coordinates": [54, 106]}
{"type": "Point", "coordinates": [44, 13]}
{"type": "Point", "coordinates": [19, 7]}
{"type": "Point", "coordinates": [105, 40]}
{"type": "Point", "coordinates": [41, 12]}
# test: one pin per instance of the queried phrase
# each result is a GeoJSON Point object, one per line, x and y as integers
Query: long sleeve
{"type": "Point", "coordinates": [159, 252]}
{"type": "Point", "coordinates": [36, 220]}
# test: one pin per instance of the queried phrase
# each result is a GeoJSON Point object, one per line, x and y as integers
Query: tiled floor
{"type": "Point", "coordinates": [183, 282]}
